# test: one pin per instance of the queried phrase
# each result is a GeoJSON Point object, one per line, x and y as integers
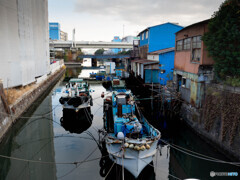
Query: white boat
{"type": "Point", "coordinates": [76, 95]}
{"type": "Point", "coordinates": [130, 140]}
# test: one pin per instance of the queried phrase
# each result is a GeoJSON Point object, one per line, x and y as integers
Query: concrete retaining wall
{"type": "Point", "coordinates": [196, 119]}
{"type": "Point", "coordinates": [24, 44]}
{"type": "Point", "coordinates": [23, 103]}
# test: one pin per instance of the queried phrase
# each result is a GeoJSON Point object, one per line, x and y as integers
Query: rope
{"type": "Point", "coordinates": [110, 169]}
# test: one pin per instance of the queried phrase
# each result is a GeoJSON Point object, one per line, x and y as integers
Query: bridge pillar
{"type": "Point", "coordinates": [94, 62]}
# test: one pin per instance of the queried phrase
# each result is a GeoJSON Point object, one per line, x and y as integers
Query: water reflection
{"type": "Point", "coordinates": [76, 122]}
{"type": "Point", "coordinates": [33, 138]}
{"type": "Point", "coordinates": [30, 139]}
{"type": "Point", "coordinates": [72, 73]}
{"type": "Point", "coordinates": [185, 165]}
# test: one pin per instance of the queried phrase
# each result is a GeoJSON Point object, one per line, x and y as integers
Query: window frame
{"type": "Point", "coordinates": [187, 43]}
{"type": "Point", "coordinates": [146, 36]}
{"type": "Point", "coordinates": [179, 45]}
{"type": "Point", "coordinates": [196, 46]}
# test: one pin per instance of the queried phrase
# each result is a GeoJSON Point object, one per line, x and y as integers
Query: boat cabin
{"type": "Point", "coordinates": [124, 117]}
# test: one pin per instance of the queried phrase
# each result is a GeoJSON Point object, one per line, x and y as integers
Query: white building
{"type": "Point", "coordinates": [87, 62]}
{"type": "Point", "coordinates": [24, 45]}
{"type": "Point", "coordinates": [129, 39]}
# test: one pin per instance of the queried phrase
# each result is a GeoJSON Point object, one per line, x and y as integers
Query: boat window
{"type": "Point", "coordinates": [121, 100]}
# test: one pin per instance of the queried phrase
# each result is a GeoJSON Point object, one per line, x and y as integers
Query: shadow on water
{"type": "Point", "coordinates": [17, 144]}
{"type": "Point", "coordinates": [76, 122]}
{"type": "Point", "coordinates": [185, 165]}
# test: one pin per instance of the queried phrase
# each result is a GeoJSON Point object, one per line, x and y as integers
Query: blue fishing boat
{"type": "Point", "coordinates": [130, 140]}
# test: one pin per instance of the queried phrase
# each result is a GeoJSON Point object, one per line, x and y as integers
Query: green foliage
{"type": "Point", "coordinates": [125, 52]}
{"type": "Point", "coordinates": [223, 39]}
{"type": "Point", "coordinates": [232, 81]}
{"type": "Point", "coordinates": [99, 52]}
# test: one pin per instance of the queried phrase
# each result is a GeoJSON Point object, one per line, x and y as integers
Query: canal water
{"type": "Point", "coordinates": [42, 146]}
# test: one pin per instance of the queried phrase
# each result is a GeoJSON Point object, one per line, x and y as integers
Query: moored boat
{"type": "Point", "coordinates": [130, 140]}
{"type": "Point", "coordinates": [76, 95]}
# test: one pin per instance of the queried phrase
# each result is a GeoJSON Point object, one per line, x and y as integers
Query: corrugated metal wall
{"type": "Point", "coordinates": [167, 64]}
{"type": "Point", "coordinates": [24, 45]}
{"type": "Point", "coordinates": [162, 36]}
{"type": "Point", "coordinates": [151, 76]}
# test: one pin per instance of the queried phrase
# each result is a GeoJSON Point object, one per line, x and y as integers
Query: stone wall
{"type": "Point", "coordinates": [23, 103]}
{"type": "Point", "coordinates": [219, 119]}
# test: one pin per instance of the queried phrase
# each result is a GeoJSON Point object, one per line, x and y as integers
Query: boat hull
{"type": "Point", "coordinates": [84, 105]}
{"type": "Point", "coordinates": [132, 160]}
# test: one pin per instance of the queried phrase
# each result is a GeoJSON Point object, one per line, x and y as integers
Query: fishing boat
{"type": "Point", "coordinates": [130, 140]}
{"type": "Point", "coordinates": [76, 95]}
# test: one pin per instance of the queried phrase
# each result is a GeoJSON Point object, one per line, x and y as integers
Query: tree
{"type": "Point", "coordinates": [223, 39]}
{"type": "Point", "coordinates": [99, 51]}
{"type": "Point", "coordinates": [125, 52]}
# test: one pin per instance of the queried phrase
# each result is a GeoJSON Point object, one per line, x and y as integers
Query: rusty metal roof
{"type": "Point", "coordinates": [162, 51]}
{"type": "Point", "coordinates": [201, 22]}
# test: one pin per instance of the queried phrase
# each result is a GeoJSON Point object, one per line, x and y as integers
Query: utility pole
{"type": "Point", "coordinates": [73, 38]}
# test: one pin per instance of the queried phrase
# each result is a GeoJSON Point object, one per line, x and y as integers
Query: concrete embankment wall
{"type": "Point", "coordinates": [219, 119]}
{"type": "Point", "coordinates": [10, 114]}
{"type": "Point", "coordinates": [24, 44]}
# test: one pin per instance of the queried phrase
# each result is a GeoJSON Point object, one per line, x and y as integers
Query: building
{"type": "Point", "coordinates": [116, 39]}
{"type": "Point", "coordinates": [157, 45]}
{"type": "Point", "coordinates": [55, 32]}
{"type": "Point", "coordinates": [165, 58]}
{"type": "Point", "coordinates": [63, 36]}
{"type": "Point", "coordinates": [157, 38]}
{"type": "Point", "coordinates": [146, 70]}
{"type": "Point", "coordinates": [192, 65]}
{"type": "Point", "coordinates": [24, 44]}
{"type": "Point", "coordinates": [129, 39]}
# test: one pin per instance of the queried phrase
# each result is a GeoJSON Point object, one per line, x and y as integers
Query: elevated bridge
{"type": "Point", "coordinates": [114, 56]}
{"type": "Point", "coordinates": [89, 44]}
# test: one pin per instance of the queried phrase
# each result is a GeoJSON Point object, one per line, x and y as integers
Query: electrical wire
{"type": "Point", "coordinates": [78, 164]}
{"type": "Point", "coordinates": [201, 156]}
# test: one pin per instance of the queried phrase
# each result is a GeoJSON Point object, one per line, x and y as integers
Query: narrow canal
{"type": "Point", "coordinates": [39, 136]}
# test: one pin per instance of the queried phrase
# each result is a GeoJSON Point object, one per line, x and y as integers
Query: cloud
{"type": "Point", "coordinates": [145, 12]}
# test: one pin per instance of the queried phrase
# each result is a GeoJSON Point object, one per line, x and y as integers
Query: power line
{"type": "Point", "coordinates": [78, 164]}
{"type": "Point", "coordinates": [207, 158]}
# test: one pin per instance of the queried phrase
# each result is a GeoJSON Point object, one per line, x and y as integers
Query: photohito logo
{"type": "Point", "coordinates": [212, 173]}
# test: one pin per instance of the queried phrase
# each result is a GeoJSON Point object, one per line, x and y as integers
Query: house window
{"type": "Point", "coordinates": [179, 45]}
{"type": "Point", "coordinates": [142, 36]}
{"type": "Point", "coordinates": [146, 34]}
{"type": "Point", "coordinates": [187, 44]}
{"type": "Point", "coordinates": [196, 48]}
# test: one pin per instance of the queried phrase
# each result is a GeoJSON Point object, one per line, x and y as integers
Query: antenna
{"type": "Point", "coordinates": [123, 30]}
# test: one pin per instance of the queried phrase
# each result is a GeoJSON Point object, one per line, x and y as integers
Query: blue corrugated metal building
{"type": "Point", "coordinates": [159, 37]}
{"type": "Point", "coordinates": [166, 64]}
{"type": "Point", "coordinates": [54, 31]}
{"type": "Point", "coordinates": [157, 44]}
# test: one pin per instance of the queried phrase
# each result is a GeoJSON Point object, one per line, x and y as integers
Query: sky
{"type": "Point", "coordinates": [101, 20]}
